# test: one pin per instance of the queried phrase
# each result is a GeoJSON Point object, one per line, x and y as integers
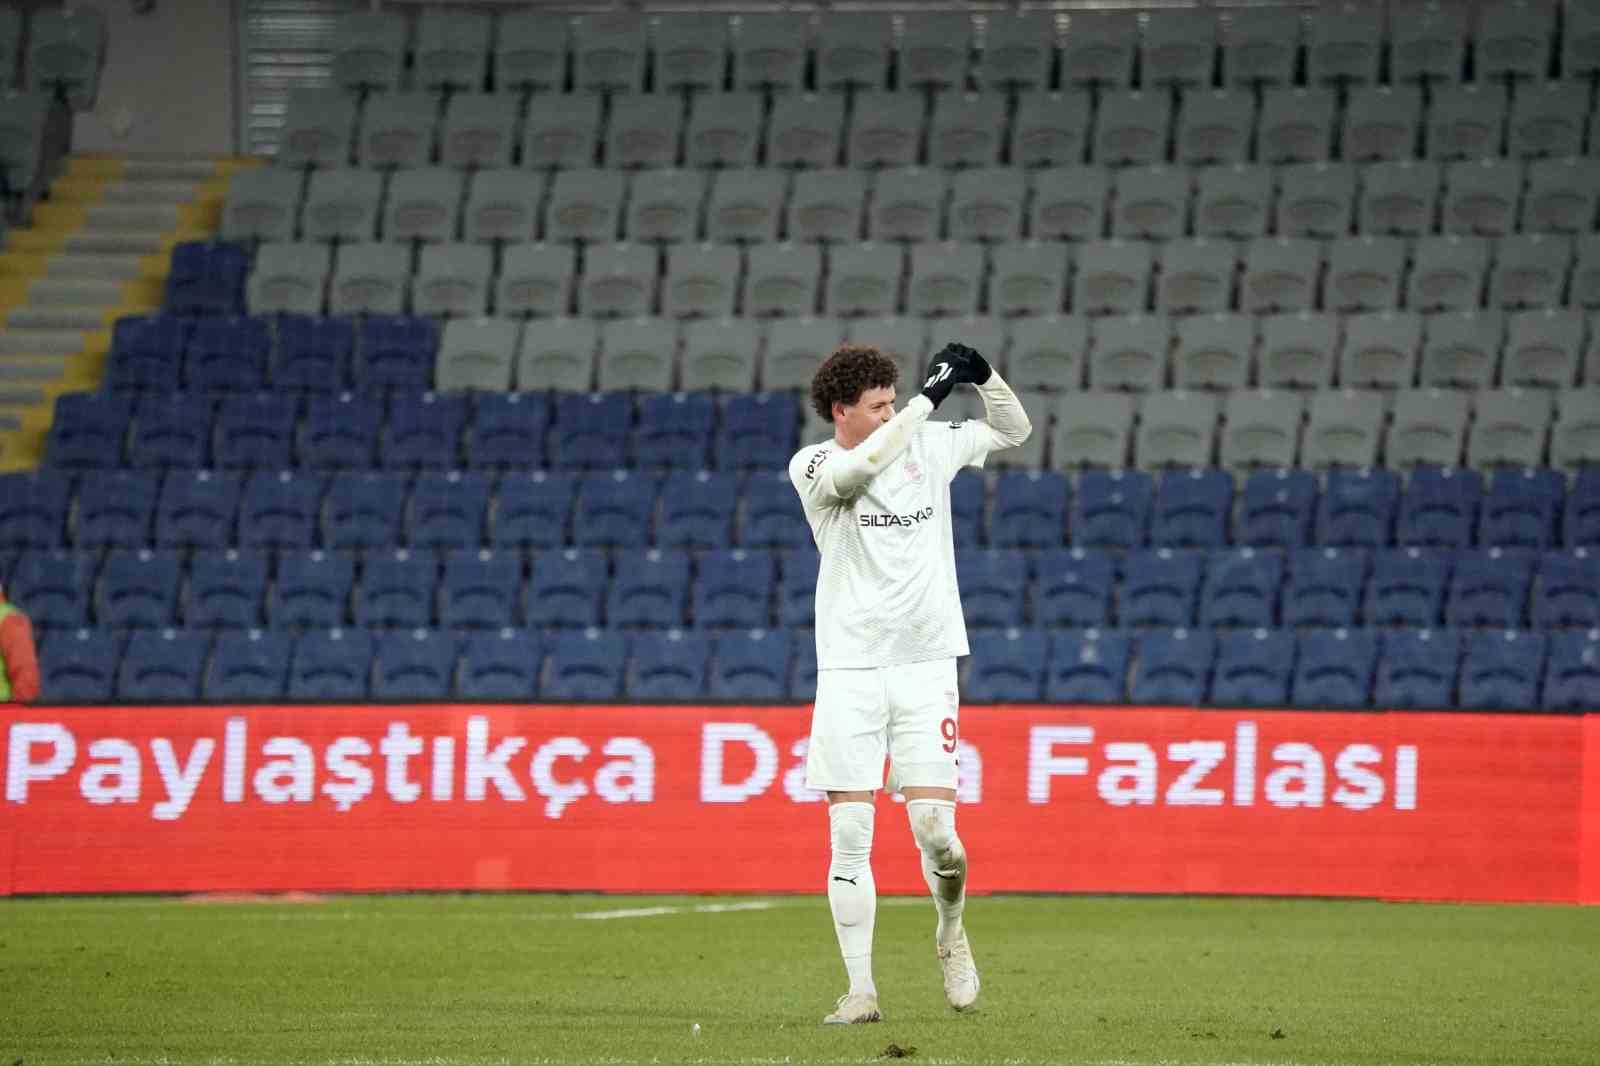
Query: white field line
{"type": "Point", "coordinates": [775, 1060]}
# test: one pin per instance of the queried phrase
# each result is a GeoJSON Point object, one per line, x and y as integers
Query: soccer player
{"type": "Point", "coordinates": [889, 631]}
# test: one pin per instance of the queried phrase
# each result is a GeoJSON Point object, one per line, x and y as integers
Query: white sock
{"type": "Point", "coordinates": [852, 894]}
{"type": "Point", "coordinates": [944, 861]}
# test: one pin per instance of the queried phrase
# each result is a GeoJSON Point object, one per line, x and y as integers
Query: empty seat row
{"type": "Point", "coordinates": [628, 51]}
{"type": "Point", "coordinates": [1476, 197]}
{"type": "Point", "coordinates": [65, 49]}
{"type": "Point", "coordinates": [173, 665]}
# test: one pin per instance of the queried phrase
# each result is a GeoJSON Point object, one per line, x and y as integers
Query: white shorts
{"type": "Point", "coordinates": [908, 713]}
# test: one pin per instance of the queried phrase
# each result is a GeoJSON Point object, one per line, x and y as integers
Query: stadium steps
{"type": "Point", "coordinates": [97, 250]}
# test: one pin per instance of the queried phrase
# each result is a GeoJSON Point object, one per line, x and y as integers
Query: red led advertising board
{"type": "Point", "coordinates": [712, 799]}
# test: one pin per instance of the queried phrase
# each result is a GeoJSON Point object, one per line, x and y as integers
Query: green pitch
{"type": "Point", "coordinates": [445, 980]}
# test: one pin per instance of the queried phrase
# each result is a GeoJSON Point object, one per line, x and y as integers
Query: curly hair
{"type": "Point", "coordinates": [847, 373]}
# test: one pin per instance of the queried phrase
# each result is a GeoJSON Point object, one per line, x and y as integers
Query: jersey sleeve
{"type": "Point", "coordinates": [805, 471]}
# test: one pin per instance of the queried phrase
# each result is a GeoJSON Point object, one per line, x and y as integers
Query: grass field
{"type": "Point", "coordinates": [444, 980]}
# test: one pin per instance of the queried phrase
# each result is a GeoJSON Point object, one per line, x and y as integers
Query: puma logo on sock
{"type": "Point", "coordinates": [846, 880]}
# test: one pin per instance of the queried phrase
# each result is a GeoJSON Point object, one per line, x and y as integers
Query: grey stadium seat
{"type": "Point", "coordinates": [1260, 45]}
{"type": "Point", "coordinates": [1214, 351]}
{"type": "Point", "coordinates": [1092, 429]}
{"type": "Point", "coordinates": [1215, 127]}
{"type": "Point", "coordinates": [1048, 352]}
{"type": "Point", "coordinates": [1133, 128]}
{"type": "Point", "coordinates": [398, 130]}
{"type": "Point", "coordinates": [1344, 45]}
{"type": "Point", "coordinates": [1315, 200]}
{"type": "Point", "coordinates": [771, 50]}
{"type": "Point", "coordinates": [1381, 350]}
{"type": "Point", "coordinates": [934, 48]}
{"type": "Point", "coordinates": [453, 279]}
{"type": "Point", "coordinates": [1398, 197]}
{"type": "Point", "coordinates": [289, 279]}
{"type": "Point", "coordinates": [262, 205]}
{"type": "Point", "coordinates": [503, 205]}
{"type": "Point", "coordinates": [1562, 195]}
{"type": "Point", "coordinates": [10, 45]}
{"type": "Point", "coordinates": [1296, 125]}
{"type": "Point", "coordinates": [369, 50]}
{"type": "Point", "coordinates": [1019, 49]}
{"type": "Point", "coordinates": [782, 279]}
{"type": "Point", "coordinates": [476, 354]}
{"type": "Point", "coordinates": [826, 205]}
{"type": "Point", "coordinates": [609, 50]}
{"type": "Point", "coordinates": [795, 348]}
{"type": "Point", "coordinates": [967, 129]}
{"type": "Point", "coordinates": [1530, 270]}
{"type": "Point", "coordinates": [1580, 41]}
{"type": "Point", "coordinates": [1027, 278]}
{"type": "Point", "coordinates": [702, 281]}
{"type": "Point", "coordinates": [1591, 355]}
{"type": "Point", "coordinates": [1447, 273]}
{"type": "Point", "coordinates": [1069, 202]}
{"type": "Point", "coordinates": [885, 130]}
{"type": "Point", "coordinates": [558, 354]}
{"type": "Point", "coordinates": [1130, 352]}
{"type": "Point", "coordinates": [853, 49]}
{"type": "Point", "coordinates": [369, 279]}
{"type": "Point", "coordinates": [1429, 44]}
{"type": "Point", "coordinates": [805, 130]}
{"type": "Point", "coordinates": [988, 204]}
{"type": "Point", "coordinates": [66, 50]}
{"type": "Point", "coordinates": [561, 131]}
{"type": "Point", "coordinates": [423, 205]}
{"type": "Point", "coordinates": [619, 280]}
{"type": "Point", "coordinates": [988, 334]}
{"type": "Point", "coordinates": [720, 353]}
{"type": "Point", "coordinates": [1575, 438]}
{"type": "Point", "coordinates": [1195, 276]}
{"type": "Point", "coordinates": [1510, 427]}
{"type": "Point", "coordinates": [946, 279]}
{"type": "Point", "coordinates": [664, 205]}
{"type": "Point", "coordinates": [452, 50]}
{"type": "Point", "coordinates": [1179, 47]}
{"type": "Point", "coordinates": [637, 353]}
{"type": "Point", "coordinates": [746, 205]}
{"type": "Point", "coordinates": [584, 205]}
{"type": "Point", "coordinates": [479, 130]}
{"type": "Point", "coordinates": [1547, 119]}
{"type": "Point", "coordinates": [1176, 429]}
{"type": "Point", "coordinates": [1462, 348]}
{"type": "Point", "coordinates": [530, 50]}
{"type": "Point", "coordinates": [1261, 428]}
{"type": "Point", "coordinates": [1113, 277]}
{"type": "Point", "coordinates": [1543, 348]}
{"type": "Point", "coordinates": [1151, 202]}
{"type": "Point", "coordinates": [691, 49]}
{"type": "Point", "coordinates": [864, 279]}
{"type": "Point", "coordinates": [1430, 426]}
{"type": "Point", "coordinates": [1585, 290]}
{"type": "Point", "coordinates": [1050, 129]}
{"type": "Point", "coordinates": [907, 204]}
{"type": "Point", "coordinates": [1233, 201]}
{"type": "Point", "coordinates": [1343, 430]}
{"type": "Point", "coordinates": [1382, 122]}
{"type": "Point", "coordinates": [1297, 350]}
{"type": "Point", "coordinates": [1100, 50]}
{"type": "Point", "coordinates": [1466, 121]}
{"type": "Point", "coordinates": [1481, 196]}
{"type": "Point", "coordinates": [902, 338]}
{"type": "Point", "coordinates": [536, 279]}
{"type": "Point", "coordinates": [724, 130]}
{"type": "Point", "coordinates": [1280, 274]}
{"type": "Point", "coordinates": [1364, 273]}
{"type": "Point", "coordinates": [319, 129]}
{"type": "Point", "coordinates": [341, 205]}
{"type": "Point", "coordinates": [643, 131]}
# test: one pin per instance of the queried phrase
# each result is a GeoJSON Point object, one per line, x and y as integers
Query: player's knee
{"type": "Point", "coordinates": [850, 831]}
{"type": "Point", "coordinates": [933, 824]}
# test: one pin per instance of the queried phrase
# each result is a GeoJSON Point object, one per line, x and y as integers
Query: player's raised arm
{"type": "Point", "coordinates": [1005, 423]}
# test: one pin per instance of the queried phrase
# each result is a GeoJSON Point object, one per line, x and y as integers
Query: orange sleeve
{"type": "Point", "coordinates": [22, 661]}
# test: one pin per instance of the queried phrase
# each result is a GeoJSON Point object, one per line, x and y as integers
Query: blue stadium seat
{"type": "Point", "coordinates": [591, 431]}
{"type": "Point", "coordinates": [1191, 509]}
{"type": "Point", "coordinates": [968, 496]}
{"type": "Point", "coordinates": [753, 665]}
{"type": "Point", "coordinates": [1160, 587]}
{"type": "Point", "coordinates": [507, 430]}
{"type": "Point", "coordinates": [415, 665]}
{"type": "Point", "coordinates": [585, 665]}
{"type": "Point", "coordinates": [1572, 671]}
{"type": "Point", "coordinates": [501, 665]}
{"type": "Point", "coordinates": [248, 665]}
{"type": "Point", "coordinates": [697, 510]}
{"type": "Point", "coordinates": [1335, 668]}
{"type": "Point", "coordinates": [138, 588]}
{"type": "Point", "coordinates": [397, 590]}
{"type": "Point", "coordinates": [481, 589]}
{"type": "Point", "coordinates": [331, 664]}
{"type": "Point", "coordinates": [668, 666]}
{"type": "Point", "coordinates": [227, 354]}
{"type": "Point", "coordinates": [1407, 587]}
{"type": "Point", "coordinates": [256, 431]}
{"type": "Point", "coordinates": [1254, 668]}
{"type": "Point", "coordinates": [614, 510]}
{"type": "Point", "coordinates": [674, 431]}
{"type": "Point", "coordinates": [1112, 508]}
{"type": "Point", "coordinates": [1357, 508]}
{"type": "Point", "coordinates": [55, 586]}
{"type": "Point", "coordinates": [196, 509]}
{"type": "Point", "coordinates": [1275, 509]}
{"type": "Point", "coordinates": [171, 429]}
{"type": "Point", "coordinates": [313, 590]}
{"type": "Point", "coordinates": [1418, 669]}
{"type": "Point", "coordinates": [1007, 665]}
{"type": "Point", "coordinates": [363, 510]}
{"type": "Point", "coordinates": [448, 510]}
{"type": "Point", "coordinates": [1568, 589]}
{"type": "Point", "coordinates": [733, 589]}
{"type": "Point", "coordinates": [568, 588]}
{"type": "Point", "coordinates": [340, 430]}
{"type": "Point", "coordinates": [1324, 586]}
{"type": "Point", "coordinates": [1072, 587]}
{"type": "Point", "coordinates": [1440, 507]}
{"type": "Point", "coordinates": [1090, 666]}
{"type": "Point", "coordinates": [797, 587]}
{"type": "Point", "coordinates": [90, 429]}
{"type": "Point", "coordinates": [650, 588]}
{"type": "Point", "coordinates": [423, 431]}
{"type": "Point", "coordinates": [1489, 587]}
{"type": "Point", "coordinates": [1173, 668]}
{"type": "Point", "coordinates": [162, 666]}
{"type": "Point", "coordinates": [1241, 588]}
{"type": "Point", "coordinates": [79, 666]}
{"type": "Point", "coordinates": [803, 670]}
{"type": "Point", "coordinates": [33, 508]}
{"type": "Point", "coordinates": [1580, 524]}
{"type": "Point", "coordinates": [532, 510]}
{"type": "Point", "coordinates": [758, 431]}
{"type": "Point", "coordinates": [992, 584]}
{"type": "Point", "coordinates": [226, 588]}
{"type": "Point", "coordinates": [1030, 510]}
{"type": "Point", "coordinates": [116, 508]}
{"type": "Point", "coordinates": [396, 352]}
{"type": "Point", "coordinates": [1522, 509]}
{"type": "Point", "coordinates": [313, 353]}
{"type": "Point", "coordinates": [1500, 671]}
{"type": "Point", "coordinates": [280, 508]}
{"type": "Point", "coordinates": [206, 278]}
{"type": "Point", "coordinates": [773, 517]}
{"type": "Point", "coordinates": [147, 352]}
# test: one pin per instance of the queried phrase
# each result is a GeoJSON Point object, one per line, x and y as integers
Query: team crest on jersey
{"type": "Point", "coordinates": [914, 471]}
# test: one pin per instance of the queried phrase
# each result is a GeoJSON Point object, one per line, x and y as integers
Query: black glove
{"type": "Point", "coordinates": [954, 364]}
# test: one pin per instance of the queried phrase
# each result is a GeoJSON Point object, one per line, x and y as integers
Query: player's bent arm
{"type": "Point", "coordinates": [1003, 411]}
{"type": "Point", "coordinates": [846, 472]}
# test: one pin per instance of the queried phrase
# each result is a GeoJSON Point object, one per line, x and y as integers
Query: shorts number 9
{"type": "Point", "coordinates": [947, 729]}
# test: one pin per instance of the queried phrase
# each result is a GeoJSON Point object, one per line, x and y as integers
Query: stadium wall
{"type": "Point", "coordinates": [711, 799]}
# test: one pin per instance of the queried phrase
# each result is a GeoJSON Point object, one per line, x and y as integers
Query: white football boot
{"type": "Point", "coordinates": [960, 973]}
{"type": "Point", "coordinates": [854, 1009]}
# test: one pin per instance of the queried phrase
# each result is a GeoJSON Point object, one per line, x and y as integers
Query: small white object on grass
{"type": "Point", "coordinates": [695, 1029]}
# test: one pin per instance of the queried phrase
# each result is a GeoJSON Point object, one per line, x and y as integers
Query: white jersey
{"type": "Point", "coordinates": [886, 591]}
